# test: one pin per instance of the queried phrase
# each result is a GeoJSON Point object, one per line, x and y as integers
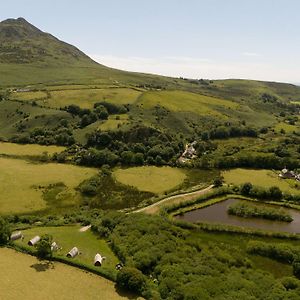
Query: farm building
{"type": "Point", "coordinates": [285, 173]}
{"type": "Point", "coordinates": [34, 240]}
{"type": "Point", "coordinates": [73, 252]}
{"type": "Point", "coordinates": [98, 260]}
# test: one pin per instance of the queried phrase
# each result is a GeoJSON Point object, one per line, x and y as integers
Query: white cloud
{"type": "Point", "coordinates": [200, 68]}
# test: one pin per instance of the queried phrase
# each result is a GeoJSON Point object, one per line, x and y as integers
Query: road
{"type": "Point", "coordinates": [155, 207]}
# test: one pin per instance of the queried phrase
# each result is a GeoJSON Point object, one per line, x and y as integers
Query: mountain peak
{"type": "Point", "coordinates": [22, 42]}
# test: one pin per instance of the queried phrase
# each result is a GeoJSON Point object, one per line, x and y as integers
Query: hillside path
{"type": "Point", "coordinates": [155, 207]}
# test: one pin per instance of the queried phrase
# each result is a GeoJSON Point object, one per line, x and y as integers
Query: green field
{"type": "Point", "coordinates": [28, 150]}
{"type": "Point", "coordinates": [184, 101]}
{"type": "Point", "coordinates": [85, 98]}
{"type": "Point", "coordinates": [68, 237]}
{"type": "Point", "coordinates": [26, 277]}
{"type": "Point", "coordinates": [151, 179]}
{"type": "Point", "coordinates": [264, 178]}
{"type": "Point", "coordinates": [22, 184]}
{"type": "Point", "coordinates": [286, 127]}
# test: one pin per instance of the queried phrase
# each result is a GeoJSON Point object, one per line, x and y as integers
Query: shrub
{"type": "Point", "coordinates": [4, 231]}
{"type": "Point", "coordinates": [131, 279]}
{"type": "Point", "coordinates": [43, 247]}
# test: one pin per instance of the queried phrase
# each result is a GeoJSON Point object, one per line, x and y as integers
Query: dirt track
{"type": "Point", "coordinates": [155, 207]}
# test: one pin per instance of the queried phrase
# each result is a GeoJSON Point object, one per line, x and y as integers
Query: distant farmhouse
{"type": "Point", "coordinates": [287, 174]}
{"type": "Point", "coordinates": [189, 153]}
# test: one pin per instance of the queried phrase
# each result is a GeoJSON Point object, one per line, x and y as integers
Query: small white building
{"type": "Point", "coordinates": [54, 247]}
{"type": "Point", "coordinates": [34, 240]}
{"type": "Point", "coordinates": [98, 260]}
{"type": "Point", "coordinates": [16, 236]}
{"type": "Point", "coordinates": [73, 252]}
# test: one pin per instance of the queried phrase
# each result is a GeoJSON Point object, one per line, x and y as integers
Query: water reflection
{"type": "Point", "coordinates": [217, 214]}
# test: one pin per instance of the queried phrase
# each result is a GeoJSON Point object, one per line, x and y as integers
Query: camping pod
{"type": "Point", "coordinates": [73, 252]}
{"type": "Point", "coordinates": [34, 240]}
{"type": "Point", "coordinates": [98, 260]}
{"type": "Point", "coordinates": [16, 236]}
{"type": "Point", "coordinates": [54, 247]}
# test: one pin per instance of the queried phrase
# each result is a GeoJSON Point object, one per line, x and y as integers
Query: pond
{"type": "Point", "coordinates": [217, 214]}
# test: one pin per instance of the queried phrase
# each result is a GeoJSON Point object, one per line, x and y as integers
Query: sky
{"type": "Point", "coordinates": [215, 39]}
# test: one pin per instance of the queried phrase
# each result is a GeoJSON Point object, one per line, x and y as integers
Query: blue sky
{"type": "Point", "coordinates": [255, 39]}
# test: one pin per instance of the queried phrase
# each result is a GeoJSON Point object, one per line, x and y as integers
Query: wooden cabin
{"type": "Point", "coordinates": [34, 240]}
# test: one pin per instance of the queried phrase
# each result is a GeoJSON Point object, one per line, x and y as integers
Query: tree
{"type": "Point", "coordinates": [4, 231]}
{"type": "Point", "coordinates": [275, 193]}
{"type": "Point", "coordinates": [246, 188]}
{"type": "Point", "coordinates": [218, 181]}
{"type": "Point", "coordinates": [131, 279]}
{"type": "Point", "coordinates": [44, 246]}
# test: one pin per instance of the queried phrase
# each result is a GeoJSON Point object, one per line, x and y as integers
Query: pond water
{"type": "Point", "coordinates": [217, 214]}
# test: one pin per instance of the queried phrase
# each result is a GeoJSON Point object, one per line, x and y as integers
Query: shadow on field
{"type": "Point", "coordinates": [42, 266]}
{"type": "Point", "coordinates": [127, 294]}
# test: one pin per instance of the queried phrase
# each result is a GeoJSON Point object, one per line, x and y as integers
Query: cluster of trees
{"type": "Point", "coordinates": [274, 192]}
{"type": "Point", "coordinates": [59, 135]}
{"type": "Point", "coordinates": [224, 132]}
{"type": "Point", "coordinates": [247, 210]}
{"type": "Point", "coordinates": [252, 160]}
{"type": "Point", "coordinates": [101, 111]}
{"type": "Point", "coordinates": [138, 146]}
{"type": "Point", "coordinates": [178, 266]}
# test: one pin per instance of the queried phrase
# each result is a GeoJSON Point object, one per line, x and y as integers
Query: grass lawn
{"type": "Point", "coordinates": [28, 150]}
{"type": "Point", "coordinates": [25, 277]}
{"type": "Point", "coordinates": [29, 96]}
{"type": "Point", "coordinates": [68, 237]}
{"type": "Point", "coordinates": [286, 127]}
{"type": "Point", "coordinates": [151, 179]}
{"type": "Point", "coordinates": [264, 178]}
{"type": "Point", "coordinates": [113, 122]}
{"type": "Point", "coordinates": [22, 184]}
{"type": "Point", "coordinates": [86, 98]}
{"type": "Point", "coordinates": [184, 101]}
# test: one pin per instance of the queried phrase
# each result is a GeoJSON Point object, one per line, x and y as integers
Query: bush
{"type": "Point", "coordinates": [4, 231]}
{"type": "Point", "coordinates": [131, 279]}
{"type": "Point", "coordinates": [43, 247]}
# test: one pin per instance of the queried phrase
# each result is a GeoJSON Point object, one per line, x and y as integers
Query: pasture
{"type": "Point", "coordinates": [86, 98]}
{"type": "Point", "coordinates": [25, 277]}
{"type": "Point", "coordinates": [156, 180]}
{"type": "Point", "coordinates": [186, 102]}
{"type": "Point", "coordinates": [264, 178]}
{"type": "Point", "coordinates": [286, 127]}
{"type": "Point", "coordinates": [114, 122]}
{"type": "Point", "coordinates": [28, 150]}
{"type": "Point", "coordinates": [68, 237]}
{"type": "Point", "coordinates": [22, 184]}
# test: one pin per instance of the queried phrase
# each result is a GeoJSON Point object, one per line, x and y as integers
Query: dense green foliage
{"type": "Point", "coordinates": [43, 247]}
{"type": "Point", "coordinates": [182, 267]}
{"type": "Point", "coordinates": [131, 279]}
{"type": "Point", "coordinates": [246, 210]}
{"type": "Point", "coordinates": [4, 231]}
